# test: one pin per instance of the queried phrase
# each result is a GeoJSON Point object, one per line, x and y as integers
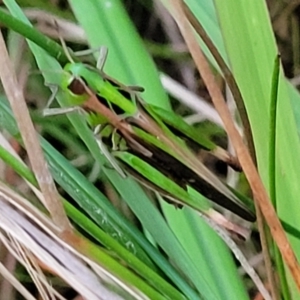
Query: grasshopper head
{"type": "Point", "coordinates": [74, 84]}
{"type": "Point", "coordinates": [84, 73]}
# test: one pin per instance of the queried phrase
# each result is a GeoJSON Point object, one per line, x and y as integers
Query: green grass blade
{"type": "Point", "coordinates": [110, 40]}
{"type": "Point", "coordinates": [140, 205]}
{"type": "Point", "coordinates": [251, 49]}
{"type": "Point", "coordinates": [24, 29]}
{"type": "Point", "coordinates": [88, 198]}
{"type": "Point", "coordinates": [93, 230]}
{"type": "Point", "coordinates": [128, 60]}
{"type": "Point", "coordinates": [209, 253]}
{"type": "Point", "coordinates": [161, 181]}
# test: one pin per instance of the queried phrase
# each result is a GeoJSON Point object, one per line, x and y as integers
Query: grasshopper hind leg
{"type": "Point", "coordinates": [47, 111]}
{"type": "Point", "coordinates": [98, 132]}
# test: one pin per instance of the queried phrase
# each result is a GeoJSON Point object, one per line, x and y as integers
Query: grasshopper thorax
{"type": "Point", "coordinates": [84, 74]}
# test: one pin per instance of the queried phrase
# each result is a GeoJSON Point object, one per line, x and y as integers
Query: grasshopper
{"type": "Point", "coordinates": [156, 140]}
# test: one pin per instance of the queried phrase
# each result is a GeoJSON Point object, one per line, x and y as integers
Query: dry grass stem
{"type": "Point", "coordinates": [242, 152]}
{"type": "Point", "coordinates": [38, 163]}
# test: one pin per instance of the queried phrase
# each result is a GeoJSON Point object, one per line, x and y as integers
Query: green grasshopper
{"type": "Point", "coordinates": [156, 148]}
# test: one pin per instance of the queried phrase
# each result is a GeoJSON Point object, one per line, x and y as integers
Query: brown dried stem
{"type": "Point", "coordinates": [230, 80]}
{"type": "Point", "coordinates": [242, 152]}
{"type": "Point", "coordinates": [30, 139]}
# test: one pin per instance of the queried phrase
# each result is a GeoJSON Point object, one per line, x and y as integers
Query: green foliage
{"type": "Point", "coordinates": [194, 263]}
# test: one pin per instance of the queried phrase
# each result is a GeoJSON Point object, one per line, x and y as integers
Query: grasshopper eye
{"type": "Point", "coordinates": [77, 86]}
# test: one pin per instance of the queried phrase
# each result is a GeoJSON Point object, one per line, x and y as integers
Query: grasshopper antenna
{"type": "Point", "coordinates": [103, 51]}
{"type": "Point", "coordinates": [63, 43]}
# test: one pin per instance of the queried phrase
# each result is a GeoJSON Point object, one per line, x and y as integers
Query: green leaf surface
{"type": "Point", "coordinates": [162, 181]}
{"type": "Point", "coordinates": [138, 202]}
{"type": "Point", "coordinates": [251, 48]}
{"type": "Point", "coordinates": [177, 123]}
{"type": "Point", "coordinates": [125, 63]}
{"type": "Point", "coordinates": [92, 201]}
{"type": "Point", "coordinates": [128, 60]}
